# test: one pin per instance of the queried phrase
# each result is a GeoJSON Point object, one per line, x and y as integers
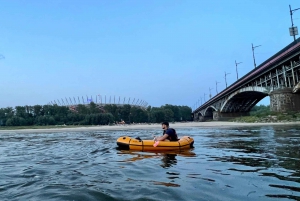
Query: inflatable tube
{"type": "Point", "coordinates": [128, 143]}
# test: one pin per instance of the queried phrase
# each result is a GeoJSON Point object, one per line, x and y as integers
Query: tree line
{"type": "Point", "coordinates": [260, 111]}
{"type": "Point", "coordinates": [91, 114]}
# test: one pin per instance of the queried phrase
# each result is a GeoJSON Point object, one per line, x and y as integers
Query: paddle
{"type": "Point", "coordinates": [155, 142]}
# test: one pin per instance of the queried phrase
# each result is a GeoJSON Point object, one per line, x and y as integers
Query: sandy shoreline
{"type": "Point", "coordinates": [218, 124]}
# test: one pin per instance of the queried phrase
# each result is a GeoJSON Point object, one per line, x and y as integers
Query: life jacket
{"type": "Point", "coordinates": [172, 137]}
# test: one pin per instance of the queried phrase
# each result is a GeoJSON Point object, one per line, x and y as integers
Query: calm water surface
{"type": "Point", "coordinates": [259, 163]}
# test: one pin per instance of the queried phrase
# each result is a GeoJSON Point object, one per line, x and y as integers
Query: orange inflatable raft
{"type": "Point", "coordinates": [128, 143]}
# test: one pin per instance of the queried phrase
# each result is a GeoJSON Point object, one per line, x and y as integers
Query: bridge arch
{"type": "Point", "coordinates": [244, 99]}
{"type": "Point", "coordinates": [209, 111]}
{"type": "Point", "coordinates": [198, 116]}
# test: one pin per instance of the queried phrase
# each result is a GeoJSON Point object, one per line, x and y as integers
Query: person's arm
{"type": "Point", "coordinates": [162, 138]}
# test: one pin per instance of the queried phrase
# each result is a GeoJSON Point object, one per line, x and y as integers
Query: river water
{"type": "Point", "coordinates": [257, 163]}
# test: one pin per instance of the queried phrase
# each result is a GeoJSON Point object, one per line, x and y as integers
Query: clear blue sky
{"type": "Point", "coordinates": [160, 51]}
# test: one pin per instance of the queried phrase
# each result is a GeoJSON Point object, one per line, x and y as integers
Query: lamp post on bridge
{"type": "Point", "coordinates": [217, 86]}
{"type": "Point", "coordinates": [226, 79]}
{"type": "Point", "coordinates": [236, 64]}
{"type": "Point", "coordinates": [204, 97]}
{"type": "Point", "coordinates": [293, 30]}
{"type": "Point", "coordinates": [253, 47]}
{"type": "Point", "coordinates": [210, 92]}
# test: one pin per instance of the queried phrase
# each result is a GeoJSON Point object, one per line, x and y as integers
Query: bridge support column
{"type": "Point", "coordinates": [283, 100]}
{"type": "Point", "coordinates": [200, 118]}
{"type": "Point", "coordinates": [219, 116]}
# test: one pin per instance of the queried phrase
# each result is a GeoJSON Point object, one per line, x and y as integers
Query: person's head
{"type": "Point", "coordinates": [165, 125]}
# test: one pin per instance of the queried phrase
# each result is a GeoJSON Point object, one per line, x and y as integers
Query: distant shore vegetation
{"type": "Point", "coordinates": [263, 114]}
{"type": "Point", "coordinates": [92, 114]}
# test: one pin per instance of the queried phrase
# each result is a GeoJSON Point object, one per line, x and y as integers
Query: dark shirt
{"type": "Point", "coordinates": [172, 136]}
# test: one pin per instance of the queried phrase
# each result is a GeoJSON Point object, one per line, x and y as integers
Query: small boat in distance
{"type": "Point", "coordinates": [128, 143]}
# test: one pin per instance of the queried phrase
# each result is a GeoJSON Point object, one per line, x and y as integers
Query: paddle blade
{"type": "Point", "coordinates": [155, 144]}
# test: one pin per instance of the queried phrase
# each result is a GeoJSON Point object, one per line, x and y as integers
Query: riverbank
{"type": "Point", "coordinates": [217, 124]}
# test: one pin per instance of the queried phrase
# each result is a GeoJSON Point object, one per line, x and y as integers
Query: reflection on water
{"type": "Point", "coordinates": [260, 163]}
{"type": "Point", "coordinates": [168, 158]}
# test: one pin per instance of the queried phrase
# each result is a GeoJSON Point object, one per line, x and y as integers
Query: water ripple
{"type": "Point", "coordinates": [261, 163]}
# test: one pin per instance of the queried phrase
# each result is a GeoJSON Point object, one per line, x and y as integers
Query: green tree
{"type": "Point", "coordinates": [157, 115]}
{"type": "Point", "coordinates": [175, 110]}
{"type": "Point", "coordinates": [168, 115]}
{"type": "Point", "coordinates": [82, 109]}
{"type": "Point", "coordinates": [260, 111]}
{"type": "Point", "coordinates": [138, 115]}
{"type": "Point", "coordinates": [21, 111]}
{"type": "Point", "coordinates": [15, 121]}
{"type": "Point", "coordinates": [91, 114]}
{"type": "Point", "coordinates": [124, 112]}
{"type": "Point", "coordinates": [38, 110]}
{"type": "Point", "coordinates": [185, 113]}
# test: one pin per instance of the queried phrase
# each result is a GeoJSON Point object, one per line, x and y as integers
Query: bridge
{"type": "Point", "coordinates": [278, 77]}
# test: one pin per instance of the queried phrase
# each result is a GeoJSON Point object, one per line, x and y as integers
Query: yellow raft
{"type": "Point", "coordinates": [128, 143]}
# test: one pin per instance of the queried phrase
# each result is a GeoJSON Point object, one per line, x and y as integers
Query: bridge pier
{"type": "Point", "coordinates": [283, 100]}
{"type": "Point", "coordinates": [201, 118]}
{"type": "Point", "coordinates": [219, 116]}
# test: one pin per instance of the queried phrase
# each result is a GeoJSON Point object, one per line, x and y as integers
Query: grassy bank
{"type": "Point", "coordinates": [262, 114]}
{"type": "Point", "coordinates": [269, 117]}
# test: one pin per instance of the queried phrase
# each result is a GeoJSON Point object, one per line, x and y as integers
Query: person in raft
{"type": "Point", "coordinates": [169, 134]}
